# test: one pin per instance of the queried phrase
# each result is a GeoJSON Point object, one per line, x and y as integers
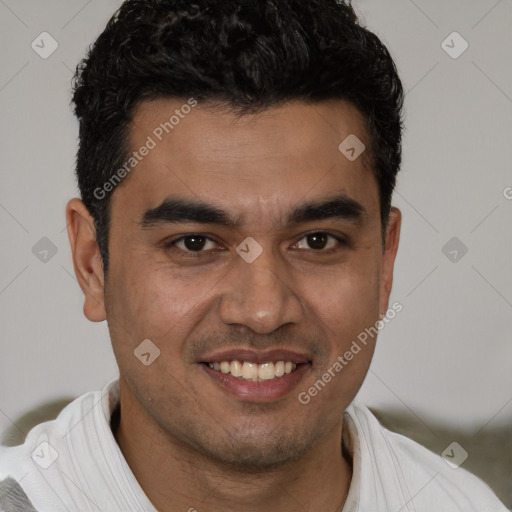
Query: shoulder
{"type": "Point", "coordinates": [32, 473]}
{"type": "Point", "coordinates": [423, 480]}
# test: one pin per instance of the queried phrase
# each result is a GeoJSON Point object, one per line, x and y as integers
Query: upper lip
{"type": "Point", "coordinates": [257, 356]}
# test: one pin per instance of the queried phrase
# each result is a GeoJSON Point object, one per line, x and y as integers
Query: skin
{"type": "Point", "coordinates": [188, 442]}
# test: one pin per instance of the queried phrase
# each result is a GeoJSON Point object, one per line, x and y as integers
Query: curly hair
{"type": "Point", "coordinates": [246, 55]}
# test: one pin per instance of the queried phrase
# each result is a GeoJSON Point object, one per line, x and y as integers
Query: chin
{"type": "Point", "coordinates": [259, 453]}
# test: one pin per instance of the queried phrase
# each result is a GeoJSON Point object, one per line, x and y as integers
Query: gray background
{"type": "Point", "coordinates": [444, 360]}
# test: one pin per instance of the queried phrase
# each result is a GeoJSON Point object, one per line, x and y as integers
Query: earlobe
{"type": "Point", "coordinates": [389, 255]}
{"type": "Point", "coordinates": [86, 259]}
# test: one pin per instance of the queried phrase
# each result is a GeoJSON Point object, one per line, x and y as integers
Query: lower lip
{"type": "Point", "coordinates": [263, 391]}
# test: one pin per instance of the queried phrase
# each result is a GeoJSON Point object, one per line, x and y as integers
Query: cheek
{"type": "Point", "coordinates": [159, 302]}
{"type": "Point", "coordinates": [347, 309]}
{"type": "Point", "coordinates": [346, 299]}
{"type": "Point", "coordinates": [152, 306]}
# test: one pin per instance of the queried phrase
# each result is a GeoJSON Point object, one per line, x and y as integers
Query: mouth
{"type": "Point", "coordinates": [257, 377]}
{"type": "Point", "coordinates": [254, 372]}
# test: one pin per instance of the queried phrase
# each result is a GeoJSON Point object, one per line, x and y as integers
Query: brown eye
{"type": "Point", "coordinates": [319, 241]}
{"type": "Point", "coordinates": [194, 242]}
{"type": "Point", "coordinates": [191, 244]}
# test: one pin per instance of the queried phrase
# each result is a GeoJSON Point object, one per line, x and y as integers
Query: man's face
{"type": "Point", "coordinates": [304, 299]}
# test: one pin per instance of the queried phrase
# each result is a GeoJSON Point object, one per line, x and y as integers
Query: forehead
{"type": "Point", "coordinates": [255, 164]}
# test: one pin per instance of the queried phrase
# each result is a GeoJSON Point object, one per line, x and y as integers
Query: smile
{"type": "Point", "coordinates": [253, 371]}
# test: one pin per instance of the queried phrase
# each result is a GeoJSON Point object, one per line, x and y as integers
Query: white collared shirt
{"type": "Point", "coordinates": [73, 463]}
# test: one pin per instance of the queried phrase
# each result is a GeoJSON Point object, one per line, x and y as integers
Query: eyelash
{"type": "Point", "coordinates": [194, 254]}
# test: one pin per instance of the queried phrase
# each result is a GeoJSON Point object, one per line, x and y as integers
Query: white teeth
{"type": "Point", "coordinates": [254, 371]}
{"type": "Point", "coordinates": [279, 368]}
{"type": "Point", "coordinates": [249, 370]}
{"type": "Point", "coordinates": [236, 368]}
{"type": "Point", "coordinates": [266, 371]}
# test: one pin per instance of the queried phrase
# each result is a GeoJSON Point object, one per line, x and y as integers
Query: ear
{"type": "Point", "coordinates": [86, 259]}
{"type": "Point", "coordinates": [388, 258]}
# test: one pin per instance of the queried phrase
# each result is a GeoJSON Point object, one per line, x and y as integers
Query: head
{"type": "Point", "coordinates": [223, 120]}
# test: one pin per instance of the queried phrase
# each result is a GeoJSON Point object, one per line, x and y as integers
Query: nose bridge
{"type": "Point", "coordinates": [259, 295]}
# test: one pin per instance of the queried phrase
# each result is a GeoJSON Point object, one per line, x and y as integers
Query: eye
{"type": "Point", "coordinates": [319, 241]}
{"type": "Point", "coordinates": [193, 243]}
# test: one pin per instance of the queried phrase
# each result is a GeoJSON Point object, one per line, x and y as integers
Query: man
{"type": "Point", "coordinates": [235, 229]}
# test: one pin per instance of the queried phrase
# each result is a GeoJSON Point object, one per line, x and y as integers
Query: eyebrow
{"type": "Point", "coordinates": [175, 210]}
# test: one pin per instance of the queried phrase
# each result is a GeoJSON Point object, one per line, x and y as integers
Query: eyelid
{"type": "Point", "coordinates": [169, 243]}
{"type": "Point", "coordinates": [341, 239]}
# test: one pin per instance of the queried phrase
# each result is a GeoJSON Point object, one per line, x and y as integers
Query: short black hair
{"type": "Point", "coordinates": [247, 55]}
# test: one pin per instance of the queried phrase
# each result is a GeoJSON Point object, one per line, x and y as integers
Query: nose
{"type": "Point", "coordinates": [260, 295]}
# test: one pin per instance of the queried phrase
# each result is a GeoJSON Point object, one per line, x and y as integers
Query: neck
{"type": "Point", "coordinates": [169, 473]}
